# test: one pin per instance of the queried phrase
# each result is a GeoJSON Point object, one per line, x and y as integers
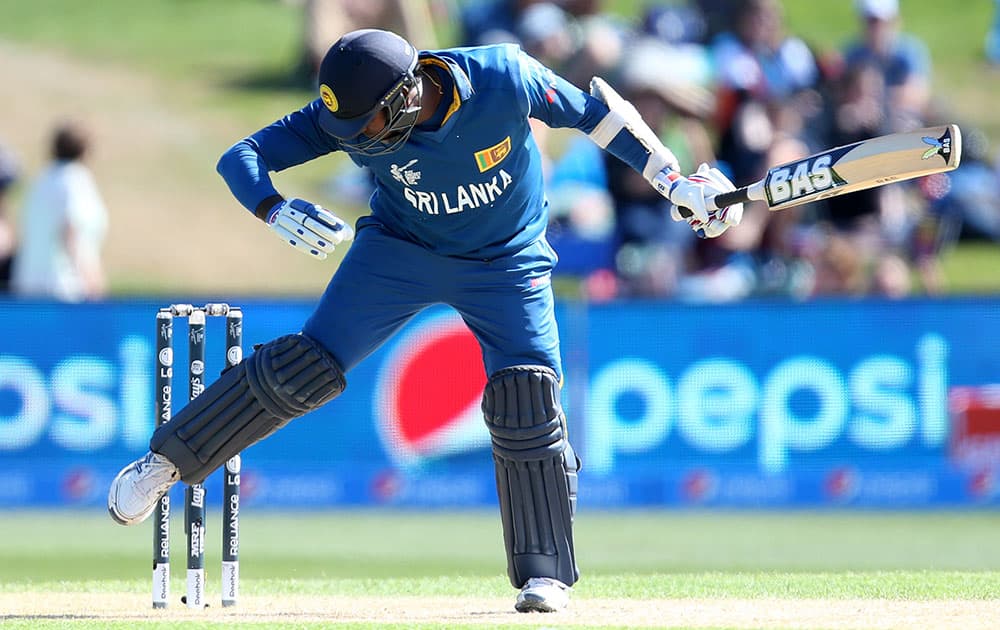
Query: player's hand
{"type": "Point", "coordinates": [714, 221]}
{"type": "Point", "coordinates": [309, 228]}
{"type": "Point", "coordinates": [684, 192]}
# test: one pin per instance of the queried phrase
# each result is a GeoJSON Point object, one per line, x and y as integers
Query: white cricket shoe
{"type": "Point", "coordinates": [542, 594]}
{"type": "Point", "coordinates": [138, 487]}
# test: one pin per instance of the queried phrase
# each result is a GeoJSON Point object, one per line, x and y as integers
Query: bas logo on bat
{"type": "Point", "coordinates": [802, 178]}
{"type": "Point", "coordinates": [938, 146]}
{"type": "Point", "coordinates": [816, 176]}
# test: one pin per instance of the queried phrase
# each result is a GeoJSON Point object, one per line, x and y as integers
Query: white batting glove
{"type": "Point", "coordinates": [685, 192]}
{"type": "Point", "coordinates": [309, 228]}
{"type": "Point", "coordinates": [715, 222]}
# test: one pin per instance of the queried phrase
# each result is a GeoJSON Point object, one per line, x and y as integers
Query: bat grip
{"type": "Point", "coordinates": [740, 195]}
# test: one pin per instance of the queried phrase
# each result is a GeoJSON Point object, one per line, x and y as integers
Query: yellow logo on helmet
{"type": "Point", "coordinates": [329, 99]}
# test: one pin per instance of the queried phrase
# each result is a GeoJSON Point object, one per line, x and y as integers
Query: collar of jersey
{"type": "Point", "coordinates": [461, 91]}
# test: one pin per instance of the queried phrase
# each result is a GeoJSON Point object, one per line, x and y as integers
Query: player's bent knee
{"type": "Point", "coordinates": [536, 471]}
{"type": "Point", "coordinates": [293, 375]}
{"type": "Point", "coordinates": [522, 410]}
{"type": "Point", "coordinates": [284, 379]}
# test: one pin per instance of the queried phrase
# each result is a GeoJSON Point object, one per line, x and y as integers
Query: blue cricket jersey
{"type": "Point", "coordinates": [472, 188]}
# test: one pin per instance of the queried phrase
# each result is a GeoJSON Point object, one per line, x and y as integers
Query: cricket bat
{"type": "Point", "coordinates": [866, 164]}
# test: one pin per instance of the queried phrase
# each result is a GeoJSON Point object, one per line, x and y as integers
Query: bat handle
{"type": "Point", "coordinates": [740, 195]}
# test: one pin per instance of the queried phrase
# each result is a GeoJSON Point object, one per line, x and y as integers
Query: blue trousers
{"type": "Point", "coordinates": [383, 281]}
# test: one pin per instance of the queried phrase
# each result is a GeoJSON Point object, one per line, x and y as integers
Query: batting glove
{"type": "Point", "coordinates": [685, 192]}
{"type": "Point", "coordinates": [309, 228]}
{"type": "Point", "coordinates": [715, 221]}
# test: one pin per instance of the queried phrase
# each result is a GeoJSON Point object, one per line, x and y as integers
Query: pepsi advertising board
{"type": "Point", "coordinates": [866, 404]}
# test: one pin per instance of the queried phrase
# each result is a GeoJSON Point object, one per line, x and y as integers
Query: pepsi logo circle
{"type": "Point", "coordinates": [428, 392]}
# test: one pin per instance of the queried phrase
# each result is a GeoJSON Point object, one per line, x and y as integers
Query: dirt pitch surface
{"type": "Point", "coordinates": [661, 613]}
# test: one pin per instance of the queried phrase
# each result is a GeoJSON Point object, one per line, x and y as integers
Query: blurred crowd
{"type": "Point", "coordinates": [720, 81]}
{"type": "Point", "coordinates": [725, 82]}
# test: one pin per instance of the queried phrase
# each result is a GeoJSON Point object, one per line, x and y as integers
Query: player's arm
{"type": "Point", "coordinates": [615, 125]}
{"type": "Point", "coordinates": [558, 103]}
{"type": "Point", "coordinates": [246, 168]}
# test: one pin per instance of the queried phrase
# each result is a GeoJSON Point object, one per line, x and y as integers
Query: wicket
{"type": "Point", "coordinates": [194, 496]}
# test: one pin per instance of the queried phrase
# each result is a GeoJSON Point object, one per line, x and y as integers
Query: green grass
{"type": "Point", "coordinates": [631, 556]}
{"type": "Point", "coordinates": [972, 268]}
{"type": "Point", "coordinates": [233, 58]}
{"type": "Point", "coordinates": [352, 547]}
{"type": "Point", "coordinates": [183, 39]}
{"type": "Point", "coordinates": [891, 585]}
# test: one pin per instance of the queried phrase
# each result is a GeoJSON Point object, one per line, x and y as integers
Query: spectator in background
{"type": "Point", "coordinates": [883, 86]}
{"type": "Point", "coordinates": [837, 266]}
{"type": "Point", "coordinates": [547, 33]}
{"type": "Point", "coordinates": [600, 49]}
{"type": "Point", "coordinates": [872, 220]}
{"type": "Point", "coordinates": [8, 177]}
{"type": "Point", "coordinates": [603, 219]}
{"type": "Point", "coordinates": [717, 16]}
{"type": "Point", "coordinates": [327, 20]}
{"type": "Point", "coordinates": [62, 226]}
{"type": "Point", "coordinates": [675, 23]}
{"type": "Point", "coordinates": [778, 241]}
{"type": "Point", "coordinates": [856, 111]}
{"type": "Point", "coordinates": [491, 21]}
{"type": "Point", "coordinates": [759, 69]}
{"type": "Point", "coordinates": [902, 59]}
{"type": "Point", "coordinates": [650, 247]}
{"type": "Point", "coordinates": [993, 36]}
{"type": "Point", "coordinates": [966, 201]}
{"type": "Point", "coordinates": [574, 37]}
{"type": "Point", "coordinates": [765, 95]}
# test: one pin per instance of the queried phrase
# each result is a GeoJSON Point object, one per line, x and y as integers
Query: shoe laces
{"type": "Point", "coordinates": [162, 484]}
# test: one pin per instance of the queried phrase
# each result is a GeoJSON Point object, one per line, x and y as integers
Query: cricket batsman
{"type": "Point", "coordinates": [458, 217]}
